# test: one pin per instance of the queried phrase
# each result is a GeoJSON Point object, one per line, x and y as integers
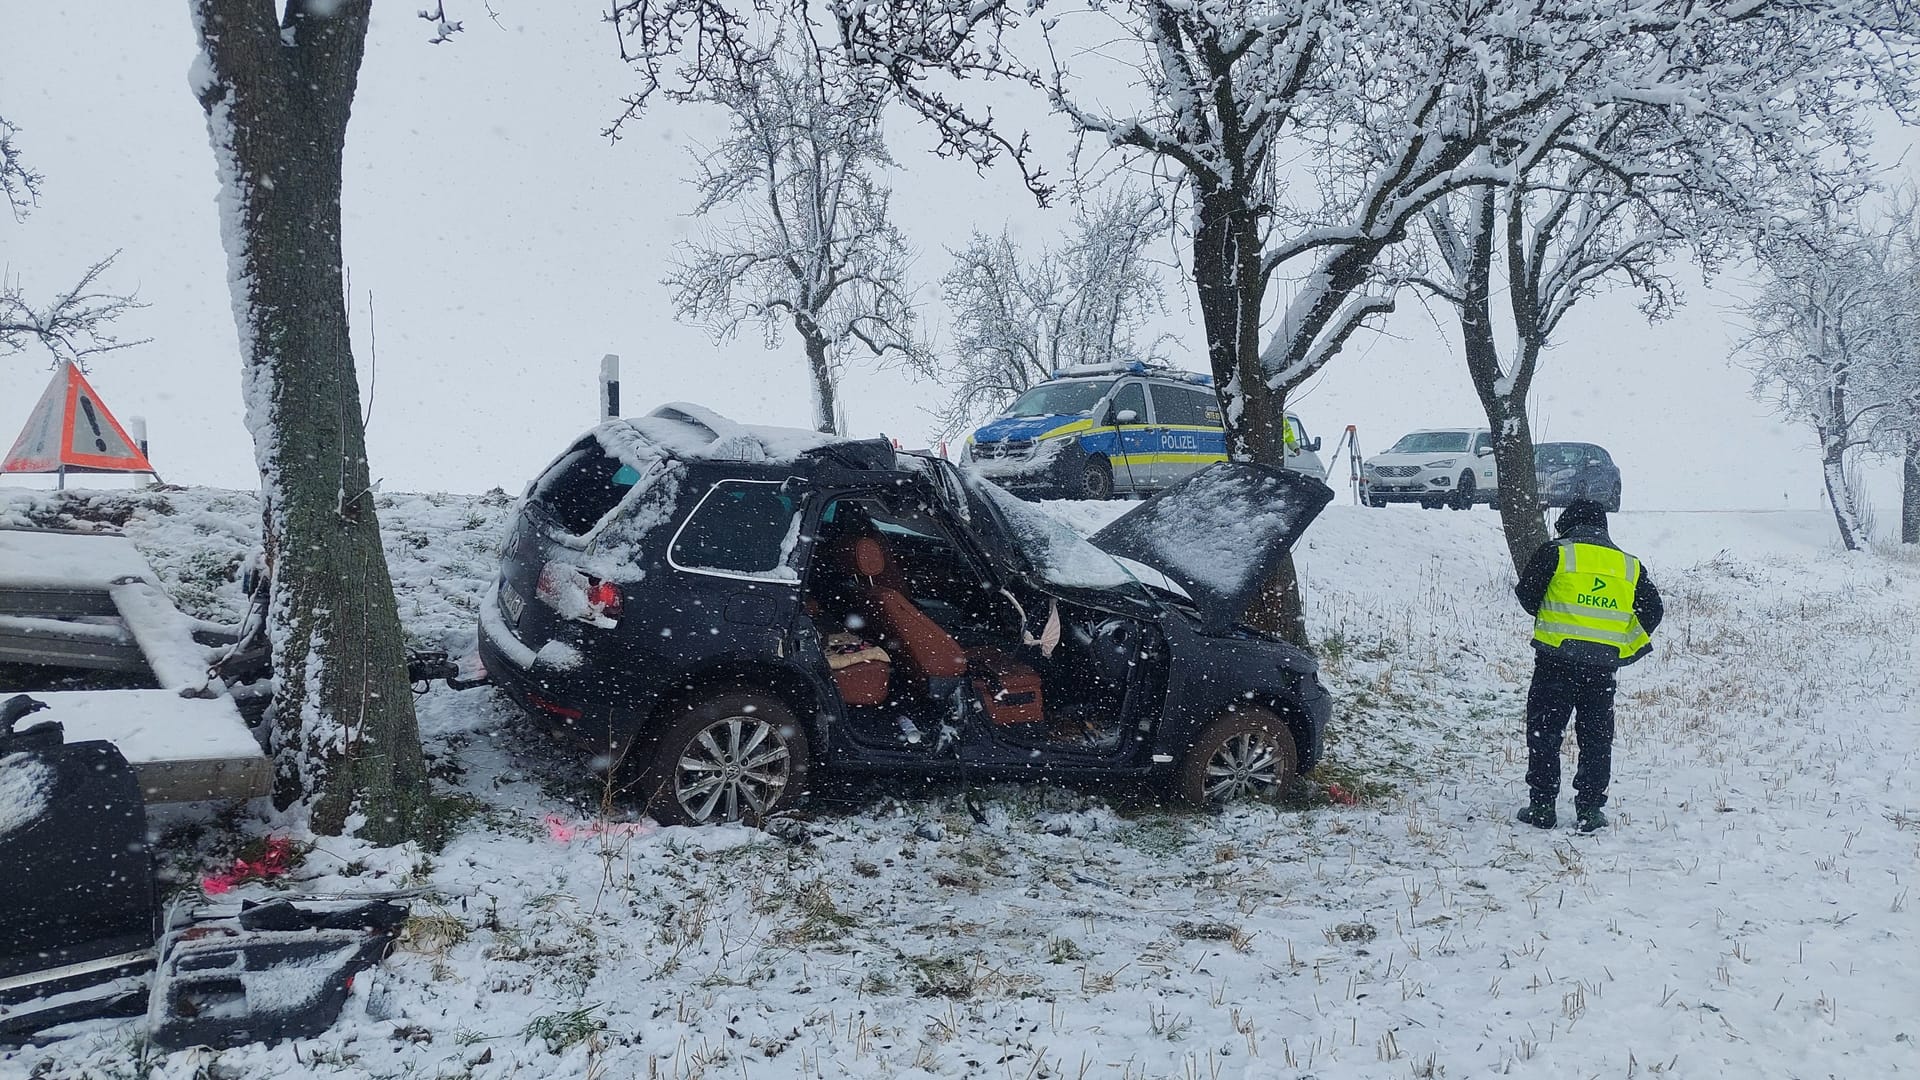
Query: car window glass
{"type": "Point", "coordinates": [1431, 442]}
{"type": "Point", "coordinates": [1180, 406]}
{"type": "Point", "coordinates": [1299, 433]}
{"type": "Point", "coordinates": [1067, 398]}
{"type": "Point", "coordinates": [1482, 441]}
{"type": "Point", "coordinates": [740, 527]}
{"type": "Point", "coordinates": [580, 488]}
{"type": "Point", "coordinates": [1131, 396]}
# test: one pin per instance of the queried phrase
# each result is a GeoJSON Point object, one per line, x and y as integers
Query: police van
{"type": "Point", "coordinates": [1097, 431]}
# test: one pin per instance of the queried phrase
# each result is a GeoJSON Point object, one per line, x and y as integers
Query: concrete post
{"type": "Point", "coordinates": [137, 427]}
{"type": "Point", "coordinates": [609, 387]}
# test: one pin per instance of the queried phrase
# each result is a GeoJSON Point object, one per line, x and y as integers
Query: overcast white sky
{"type": "Point", "coordinates": [507, 246]}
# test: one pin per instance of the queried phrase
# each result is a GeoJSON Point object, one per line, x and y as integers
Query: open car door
{"type": "Point", "coordinates": [1220, 533]}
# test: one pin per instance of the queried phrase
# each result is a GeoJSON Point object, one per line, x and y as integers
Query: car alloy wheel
{"type": "Point", "coordinates": [733, 769]}
{"type": "Point", "coordinates": [733, 755]}
{"type": "Point", "coordinates": [1247, 754]}
{"type": "Point", "coordinates": [1245, 767]}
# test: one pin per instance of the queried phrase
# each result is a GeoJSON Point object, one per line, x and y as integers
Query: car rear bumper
{"type": "Point", "coordinates": [556, 700]}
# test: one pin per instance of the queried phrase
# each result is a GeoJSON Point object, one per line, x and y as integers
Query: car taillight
{"type": "Point", "coordinates": [579, 596]}
{"type": "Point", "coordinates": [604, 598]}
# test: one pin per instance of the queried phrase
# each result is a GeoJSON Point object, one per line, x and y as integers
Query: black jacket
{"type": "Point", "coordinates": [1534, 580]}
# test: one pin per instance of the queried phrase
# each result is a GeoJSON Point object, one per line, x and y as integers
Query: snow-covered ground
{"type": "Point", "coordinates": [1748, 914]}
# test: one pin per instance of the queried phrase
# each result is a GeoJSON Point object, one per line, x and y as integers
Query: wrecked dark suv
{"type": "Point", "coordinates": [717, 610]}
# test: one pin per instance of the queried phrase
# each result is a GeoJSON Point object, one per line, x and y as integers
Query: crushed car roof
{"type": "Point", "coordinates": [696, 433]}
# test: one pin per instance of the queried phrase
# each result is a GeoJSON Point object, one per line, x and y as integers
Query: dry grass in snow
{"type": "Point", "coordinates": [1749, 914]}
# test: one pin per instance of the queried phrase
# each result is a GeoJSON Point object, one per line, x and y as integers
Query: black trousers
{"type": "Point", "coordinates": [1560, 690]}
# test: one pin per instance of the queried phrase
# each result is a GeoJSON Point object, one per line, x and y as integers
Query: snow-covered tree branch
{"type": "Point", "coordinates": [75, 325]}
{"type": "Point", "coordinates": [807, 243]}
{"type": "Point", "coordinates": [18, 183]}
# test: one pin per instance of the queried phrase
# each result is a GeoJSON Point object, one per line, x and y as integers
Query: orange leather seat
{"type": "Point", "coordinates": [1009, 688]}
{"type": "Point", "coordinates": [863, 683]}
{"type": "Point", "coordinates": [913, 637]}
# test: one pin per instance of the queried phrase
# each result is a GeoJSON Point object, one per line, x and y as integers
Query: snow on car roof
{"type": "Point", "coordinates": [1088, 371]}
{"type": "Point", "coordinates": [694, 432]}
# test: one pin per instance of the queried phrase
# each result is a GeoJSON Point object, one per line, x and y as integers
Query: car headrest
{"type": "Point", "coordinates": [866, 557]}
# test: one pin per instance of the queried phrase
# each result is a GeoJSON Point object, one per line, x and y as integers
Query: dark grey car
{"type": "Point", "coordinates": [1567, 471]}
{"type": "Point", "coordinates": [715, 609]}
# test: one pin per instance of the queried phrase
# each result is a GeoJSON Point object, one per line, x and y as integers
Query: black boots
{"type": "Point", "coordinates": [1538, 815]}
{"type": "Point", "coordinates": [1543, 816]}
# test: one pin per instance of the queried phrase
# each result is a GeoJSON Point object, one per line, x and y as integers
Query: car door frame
{"type": "Point", "coordinates": [1131, 442]}
{"type": "Point", "coordinates": [1486, 472]}
{"type": "Point", "coordinates": [1166, 470]}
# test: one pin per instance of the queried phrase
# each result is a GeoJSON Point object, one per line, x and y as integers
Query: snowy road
{"type": "Point", "coordinates": [1749, 914]}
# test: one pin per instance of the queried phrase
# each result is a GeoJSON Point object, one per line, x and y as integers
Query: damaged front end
{"type": "Point", "coordinates": [1034, 467]}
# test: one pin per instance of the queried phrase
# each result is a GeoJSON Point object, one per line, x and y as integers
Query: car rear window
{"type": "Point", "coordinates": [742, 528]}
{"type": "Point", "coordinates": [583, 486]}
{"type": "Point", "coordinates": [1190, 408]}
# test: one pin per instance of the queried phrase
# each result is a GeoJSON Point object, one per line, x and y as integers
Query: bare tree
{"type": "Point", "coordinates": [1818, 329]}
{"type": "Point", "coordinates": [75, 324]}
{"type": "Point", "coordinates": [1018, 319]}
{"type": "Point", "coordinates": [1376, 100]}
{"type": "Point", "coordinates": [808, 243]}
{"type": "Point", "coordinates": [278, 90]}
{"type": "Point", "coordinates": [1609, 196]}
{"type": "Point", "coordinates": [1898, 375]}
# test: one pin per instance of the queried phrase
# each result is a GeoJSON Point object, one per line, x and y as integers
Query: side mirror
{"type": "Point", "coordinates": [1484, 451]}
{"type": "Point", "coordinates": [1315, 444]}
{"type": "Point", "coordinates": [1127, 416]}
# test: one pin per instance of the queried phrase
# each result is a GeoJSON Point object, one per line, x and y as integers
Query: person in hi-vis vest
{"type": "Point", "coordinates": [1594, 610]}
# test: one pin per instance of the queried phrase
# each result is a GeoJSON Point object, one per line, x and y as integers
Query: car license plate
{"type": "Point", "coordinates": [512, 603]}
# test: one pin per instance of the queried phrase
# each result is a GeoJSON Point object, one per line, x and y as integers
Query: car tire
{"type": "Point", "coordinates": [1096, 479]}
{"type": "Point", "coordinates": [1248, 753]}
{"type": "Point", "coordinates": [734, 755]}
{"type": "Point", "coordinates": [1463, 496]}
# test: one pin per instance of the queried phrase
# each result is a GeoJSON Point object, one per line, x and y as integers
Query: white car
{"type": "Point", "coordinates": [1435, 468]}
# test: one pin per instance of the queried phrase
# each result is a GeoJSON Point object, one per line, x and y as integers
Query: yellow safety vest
{"type": "Point", "coordinates": [1591, 599]}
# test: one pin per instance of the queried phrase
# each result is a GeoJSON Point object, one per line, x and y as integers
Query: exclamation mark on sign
{"type": "Point", "coordinates": [99, 440]}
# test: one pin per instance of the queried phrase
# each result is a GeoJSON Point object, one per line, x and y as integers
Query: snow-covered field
{"type": "Point", "coordinates": [1748, 915]}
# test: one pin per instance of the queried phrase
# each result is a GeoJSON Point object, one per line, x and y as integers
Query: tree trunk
{"type": "Point", "coordinates": [277, 96]}
{"type": "Point", "coordinates": [1226, 273]}
{"type": "Point", "coordinates": [1910, 491]}
{"type": "Point", "coordinates": [1502, 391]}
{"type": "Point", "coordinates": [825, 405]}
{"type": "Point", "coordinates": [1521, 522]}
{"type": "Point", "coordinates": [1846, 513]}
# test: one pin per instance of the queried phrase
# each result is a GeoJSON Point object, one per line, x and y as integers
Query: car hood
{"type": "Point", "coordinates": [1220, 533]}
{"type": "Point", "coordinates": [1415, 459]}
{"type": "Point", "coordinates": [1025, 427]}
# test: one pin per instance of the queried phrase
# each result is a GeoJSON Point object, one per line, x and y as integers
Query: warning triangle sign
{"type": "Point", "coordinates": [70, 430]}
